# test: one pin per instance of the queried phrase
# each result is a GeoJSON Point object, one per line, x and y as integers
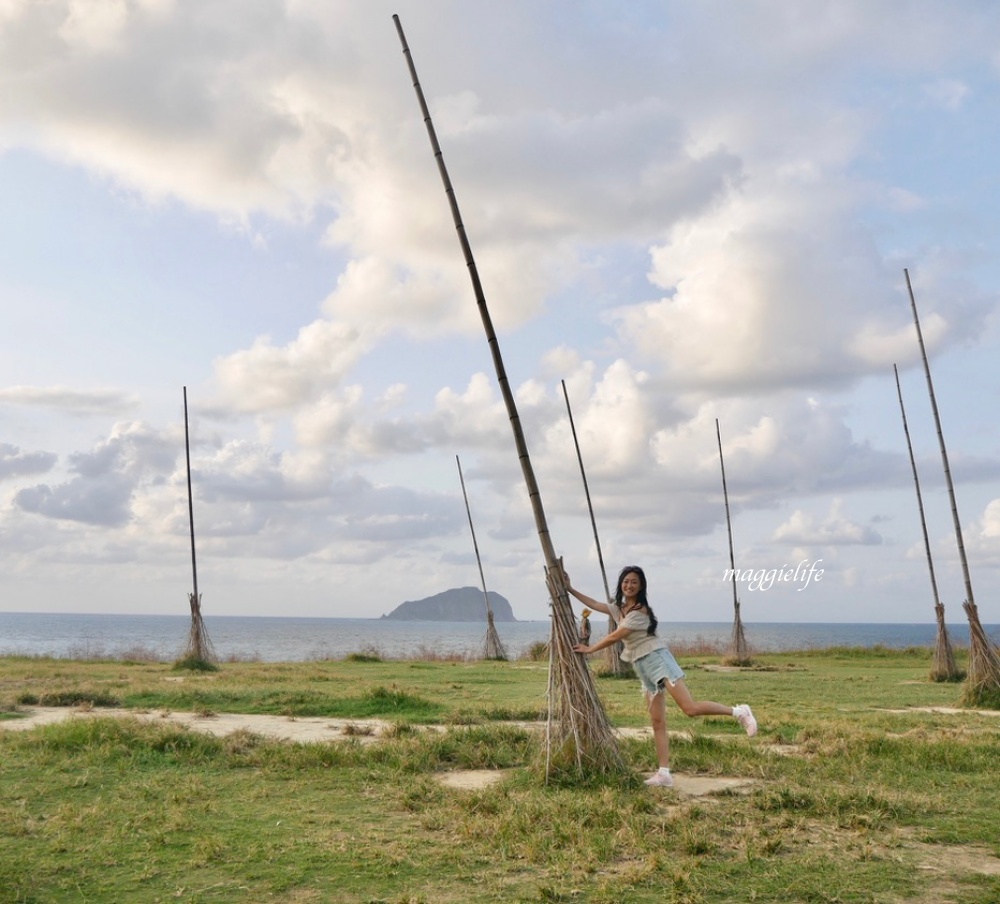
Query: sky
{"type": "Point", "coordinates": [686, 213]}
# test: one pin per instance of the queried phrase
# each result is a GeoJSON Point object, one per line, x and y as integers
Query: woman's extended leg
{"type": "Point", "coordinates": [691, 707]}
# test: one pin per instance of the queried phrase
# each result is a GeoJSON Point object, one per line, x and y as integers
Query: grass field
{"type": "Point", "coordinates": [859, 792]}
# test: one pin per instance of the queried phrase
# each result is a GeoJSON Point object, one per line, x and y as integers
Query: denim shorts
{"type": "Point", "coordinates": [656, 668]}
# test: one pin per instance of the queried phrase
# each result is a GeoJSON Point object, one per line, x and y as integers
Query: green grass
{"type": "Point", "coordinates": [857, 794]}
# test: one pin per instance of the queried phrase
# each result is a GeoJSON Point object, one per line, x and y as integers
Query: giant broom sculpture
{"type": "Point", "coordinates": [983, 680]}
{"type": "Point", "coordinates": [943, 667]}
{"type": "Point", "coordinates": [739, 651]}
{"type": "Point", "coordinates": [493, 647]}
{"type": "Point", "coordinates": [579, 734]}
{"type": "Point", "coordinates": [199, 654]}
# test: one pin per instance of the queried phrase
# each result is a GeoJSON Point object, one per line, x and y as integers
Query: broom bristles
{"type": "Point", "coordinates": [943, 667]}
{"type": "Point", "coordinates": [579, 732]}
{"type": "Point", "coordinates": [199, 645]}
{"type": "Point", "coordinates": [493, 647]}
{"type": "Point", "coordinates": [983, 679]}
{"type": "Point", "coordinates": [739, 649]}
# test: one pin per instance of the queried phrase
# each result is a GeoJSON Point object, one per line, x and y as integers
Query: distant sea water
{"type": "Point", "coordinates": [268, 639]}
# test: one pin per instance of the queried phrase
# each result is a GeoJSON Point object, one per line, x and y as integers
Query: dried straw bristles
{"type": "Point", "coordinates": [739, 650]}
{"type": "Point", "coordinates": [493, 647]}
{"type": "Point", "coordinates": [199, 646]}
{"type": "Point", "coordinates": [579, 736]}
{"type": "Point", "coordinates": [943, 667]}
{"type": "Point", "coordinates": [983, 681]}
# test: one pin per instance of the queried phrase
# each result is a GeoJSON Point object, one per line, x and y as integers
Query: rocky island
{"type": "Point", "coordinates": [460, 604]}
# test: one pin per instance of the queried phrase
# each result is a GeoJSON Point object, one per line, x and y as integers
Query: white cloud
{"type": "Point", "coordinates": [948, 92]}
{"type": "Point", "coordinates": [267, 378]}
{"type": "Point", "coordinates": [476, 416]}
{"type": "Point", "coordinates": [105, 478]}
{"type": "Point", "coordinates": [981, 538]}
{"type": "Point", "coordinates": [100, 502]}
{"type": "Point", "coordinates": [15, 463]}
{"type": "Point", "coordinates": [93, 26]}
{"type": "Point", "coordinates": [228, 107]}
{"type": "Point", "coordinates": [331, 420]}
{"type": "Point", "coordinates": [769, 444]}
{"type": "Point", "coordinates": [762, 294]}
{"type": "Point", "coordinates": [991, 520]}
{"type": "Point", "coordinates": [70, 401]}
{"type": "Point", "coordinates": [835, 529]}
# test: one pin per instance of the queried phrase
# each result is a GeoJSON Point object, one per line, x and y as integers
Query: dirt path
{"type": "Point", "coordinates": [282, 728]}
{"type": "Point", "coordinates": [310, 730]}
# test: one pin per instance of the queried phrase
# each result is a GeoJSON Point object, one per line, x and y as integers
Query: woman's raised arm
{"type": "Point", "coordinates": [587, 601]}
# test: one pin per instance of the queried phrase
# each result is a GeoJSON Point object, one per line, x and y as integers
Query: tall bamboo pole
{"type": "Point", "coordinates": [187, 456]}
{"type": "Point", "coordinates": [585, 737]}
{"type": "Point", "coordinates": [983, 682]}
{"type": "Point", "coordinates": [739, 653]}
{"type": "Point", "coordinates": [493, 647]}
{"type": "Point", "coordinates": [199, 646]}
{"type": "Point", "coordinates": [944, 452]}
{"type": "Point", "coordinates": [616, 665]}
{"type": "Point", "coordinates": [943, 668]}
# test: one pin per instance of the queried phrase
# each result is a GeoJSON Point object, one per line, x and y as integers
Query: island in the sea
{"type": "Point", "coordinates": [460, 604]}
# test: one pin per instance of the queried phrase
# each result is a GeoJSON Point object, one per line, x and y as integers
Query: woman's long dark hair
{"type": "Point", "coordinates": [640, 596]}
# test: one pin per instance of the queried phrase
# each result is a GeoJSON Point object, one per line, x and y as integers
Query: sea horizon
{"type": "Point", "coordinates": [379, 618]}
{"type": "Point", "coordinates": [274, 638]}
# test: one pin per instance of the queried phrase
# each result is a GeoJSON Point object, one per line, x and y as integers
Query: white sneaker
{"type": "Point", "coordinates": [745, 717]}
{"type": "Point", "coordinates": [661, 780]}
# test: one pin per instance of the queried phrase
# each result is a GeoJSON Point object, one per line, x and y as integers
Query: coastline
{"type": "Point", "coordinates": [281, 639]}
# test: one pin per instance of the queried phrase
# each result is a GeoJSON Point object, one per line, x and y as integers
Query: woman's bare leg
{"type": "Point", "coordinates": [691, 707]}
{"type": "Point", "coordinates": [656, 704]}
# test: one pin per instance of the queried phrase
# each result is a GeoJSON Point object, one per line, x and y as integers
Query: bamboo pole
{"type": "Point", "coordinates": [616, 665]}
{"type": "Point", "coordinates": [589, 740]}
{"type": "Point", "coordinates": [739, 653]}
{"type": "Point", "coordinates": [943, 667]}
{"type": "Point", "coordinates": [944, 452]}
{"type": "Point", "coordinates": [983, 680]}
{"type": "Point", "coordinates": [199, 646]}
{"type": "Point", "coordinates": [493, 648]}
{"type": "Point", "coordinates": [187, 456]}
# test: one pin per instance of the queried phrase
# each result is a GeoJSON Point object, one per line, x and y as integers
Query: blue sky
{"type": "Point", "coordinates": [685, 211]}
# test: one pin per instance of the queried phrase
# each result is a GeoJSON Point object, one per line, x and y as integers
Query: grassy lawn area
{"type": "Point", "coordinates": [858, 791]}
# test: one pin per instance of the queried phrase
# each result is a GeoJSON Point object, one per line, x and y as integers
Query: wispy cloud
{"type": "Point", "coordinates": [15, 463]}
{"type": "Point", "coordinates": [77, 402]}
{"type": "Point", "coordinates": [836, 529]}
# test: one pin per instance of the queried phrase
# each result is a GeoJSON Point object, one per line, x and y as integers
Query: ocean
{"type": "Point", "coordinates": [265, 639]}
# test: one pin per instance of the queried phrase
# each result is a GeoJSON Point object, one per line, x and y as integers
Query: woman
{"type": "Point", "coordinates": [585, 626]}
{"type": "Point", "coordinates": [653, 663]}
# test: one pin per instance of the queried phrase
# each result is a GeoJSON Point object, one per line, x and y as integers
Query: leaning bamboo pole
{"type": "Point", "coordinates": [943, 667]}
{"type": "Point", "coordinates": [983, 678]}
{"type": "Point", "coordinates": [615, 664]}
{"type": "Point", "coordinates": [493, 648]}
{"type": "Point", "coordinates": [199, 647]}
{"type": "Point", "coordinates": [739, 652]}
{"type": "Point", "coordinates": [584, 737]}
